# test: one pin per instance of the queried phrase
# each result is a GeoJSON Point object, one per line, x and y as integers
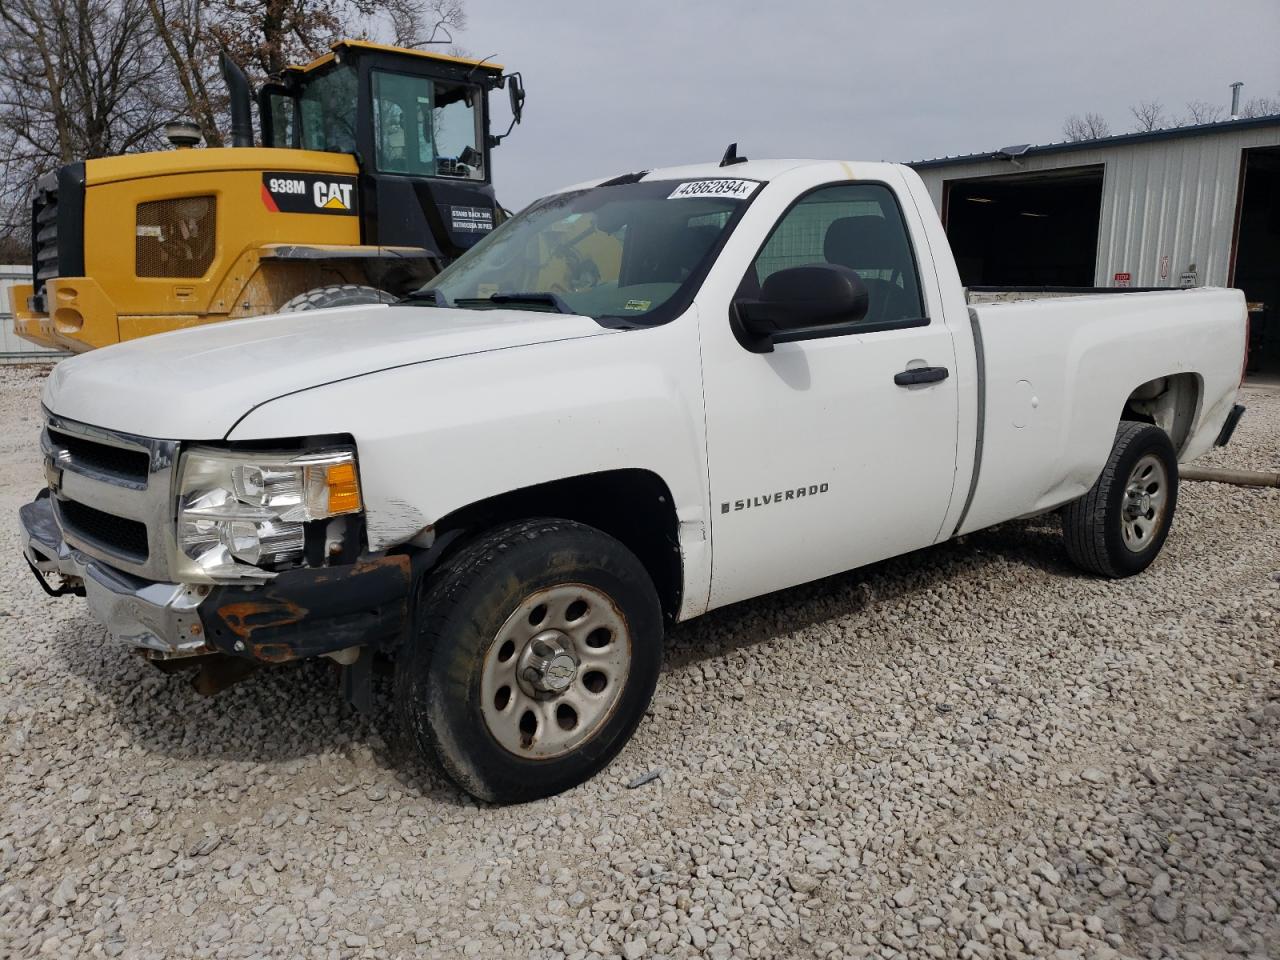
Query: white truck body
{"type": "Point", "coordinates": [721, 382]}
{"type": "Point", "coordinates": [447, 409]}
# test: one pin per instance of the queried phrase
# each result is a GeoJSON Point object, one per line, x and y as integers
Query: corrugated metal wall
{"type": "Point", "coordinates": [1172, 198]}
{"type": "Point", "coordinates": [13, 349]}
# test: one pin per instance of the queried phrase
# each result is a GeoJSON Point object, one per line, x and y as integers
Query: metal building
{"type": "Point", "coordinates": [1188, 206]}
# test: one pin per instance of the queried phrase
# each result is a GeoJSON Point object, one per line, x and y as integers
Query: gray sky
{"type": "Point", "coordinates": [620, 86]}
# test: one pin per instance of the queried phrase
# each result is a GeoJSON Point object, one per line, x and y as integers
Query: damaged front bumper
{"type": "Point", "coordinates": [296, 614]}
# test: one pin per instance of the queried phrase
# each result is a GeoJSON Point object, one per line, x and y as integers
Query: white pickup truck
{"type": "Point", "coordinates": [639, 400]}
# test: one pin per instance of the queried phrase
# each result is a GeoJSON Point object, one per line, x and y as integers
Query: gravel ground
{"type": "Point", "coordinates": [973, 751]}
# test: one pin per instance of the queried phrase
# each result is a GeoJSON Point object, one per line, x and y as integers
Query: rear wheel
{"type": "Point", "coordinates": [338, 295]}
{"type": "Point", "coordinates": [537, 650]}
{"type": "Point", "coordinates": [1118, 528]}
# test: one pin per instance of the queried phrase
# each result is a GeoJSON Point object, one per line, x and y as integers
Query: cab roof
{"type": "Point", "coordinates": [762, 170]}
{"type": "Point", "coordinates": [368, 45]}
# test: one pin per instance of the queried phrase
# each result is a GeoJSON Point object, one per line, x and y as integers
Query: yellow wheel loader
{"type": "Point", "coordinates": [372, 175]}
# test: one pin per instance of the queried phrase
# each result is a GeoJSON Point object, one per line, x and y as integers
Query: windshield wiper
{"type": "Point", "coordinates": [535, 297]}
{"type": "Point", "coordinates": [432, 298]}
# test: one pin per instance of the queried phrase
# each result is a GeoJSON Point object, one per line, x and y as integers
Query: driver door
{"type": "Point", "coordinates": [819, 461]}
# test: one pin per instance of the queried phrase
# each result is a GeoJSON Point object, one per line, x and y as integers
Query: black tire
{"type": "Point", "coordinates": [469, 603]}
{"type": "Point", "coordinates": [338, 295]}
{"type": "Point", "coordinates": [1094, 527]}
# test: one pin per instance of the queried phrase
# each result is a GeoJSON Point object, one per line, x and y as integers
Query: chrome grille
{"type": "Point", "coordinates": [113, 494]}
{"type": "Point", "coordinates": [111, 533]}
{"type": "Point", "coordinates": [109, 461]}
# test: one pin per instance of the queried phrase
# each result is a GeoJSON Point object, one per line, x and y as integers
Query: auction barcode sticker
{"type": "Point", "coordinates": [733, 189]}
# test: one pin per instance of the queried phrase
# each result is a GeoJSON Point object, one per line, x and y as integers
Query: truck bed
{"type": "Point", "coordinates": [1054, 376]}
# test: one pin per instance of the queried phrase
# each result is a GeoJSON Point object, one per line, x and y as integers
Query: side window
{"type": "Point", "coordinates": [853, 225]}
{"type": "Point", "coordinates": [282, 126]}
{"type": "Point", "coordinates": [425, 127]}
{"type": "Point", "coordinates": [328, 106]}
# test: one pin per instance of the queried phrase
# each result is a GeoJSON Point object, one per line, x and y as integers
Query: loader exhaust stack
{"type": "Point", "coordinates": [238, 91]}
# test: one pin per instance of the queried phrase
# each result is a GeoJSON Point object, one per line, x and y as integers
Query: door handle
{"type": "Point", "coordinates": [908, 378]}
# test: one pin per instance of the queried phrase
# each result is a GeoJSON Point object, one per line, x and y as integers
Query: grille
{"type": "Point", "coordinates": [105, 530]}
{"type": "Point", "coordinates": [44, 234]}
{"type": "Point", "coordinates": [130, 464]}
{"type": "Point", "coordinates": [175, 238]}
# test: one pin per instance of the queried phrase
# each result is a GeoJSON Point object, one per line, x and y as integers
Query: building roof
{"type": "Point", "coordinates": [1119, 140]}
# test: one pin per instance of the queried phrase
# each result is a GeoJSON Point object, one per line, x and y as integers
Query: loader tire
{"type": "Point", "coordinates": [1118, 528]}
{"type": "Point", "coordinates": [338, 295]}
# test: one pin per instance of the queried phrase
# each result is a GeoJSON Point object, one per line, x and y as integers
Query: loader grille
{"type": "Point", "coordinates": [44, 247]}
{"type": "Point", "coordinates": [176, 237]}
{"type": "Point", "coordinates": [57, 226]}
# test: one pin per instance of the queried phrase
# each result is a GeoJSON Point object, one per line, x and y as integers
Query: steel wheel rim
{"type": "Point", "coordinates": [529, 705]}
{"type": "Point", "coordinates": [1146, 500]}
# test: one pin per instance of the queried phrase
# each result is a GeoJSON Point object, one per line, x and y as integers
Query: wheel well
{"type": "Point", "coordinates": [1170, 403]}
{"type": "Point", "coordinates": [633, 506]}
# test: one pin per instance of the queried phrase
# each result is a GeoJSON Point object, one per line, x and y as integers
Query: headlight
{"type": "Point", "coordinates": [249, 508]}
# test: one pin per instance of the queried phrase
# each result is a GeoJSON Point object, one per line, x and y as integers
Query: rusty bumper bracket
{"type": "Point", "coordinates": [308, 613]}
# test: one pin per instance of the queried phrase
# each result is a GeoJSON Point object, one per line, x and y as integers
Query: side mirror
{"type": "Point", "coordinates": [821, 299]}
{"type": "Point", "coordinates": [515, 93]}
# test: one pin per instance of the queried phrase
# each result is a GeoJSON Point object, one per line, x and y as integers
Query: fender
{"type": "Point", "coordinates": [433, 438]}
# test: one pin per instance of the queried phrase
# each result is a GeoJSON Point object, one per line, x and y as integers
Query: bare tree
{"type": "Point", "coordinates": [1091, 126]}
{"type": "Point", "coordinates": [86, 85]}
{"type": "Point", "coordinates": [266, 35]}
{"type": "Point", "coordinates": [180, 27]}
{"type": "Point", "coordinates": [1150, 115]}
{"type": "Point", "coordinates": [1201, 111]}
{"type": "Point", "coordinates": [1260, 106]}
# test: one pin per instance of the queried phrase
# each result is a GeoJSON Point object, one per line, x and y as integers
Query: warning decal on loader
{"type": "Point", "coordinates": [309, 193]}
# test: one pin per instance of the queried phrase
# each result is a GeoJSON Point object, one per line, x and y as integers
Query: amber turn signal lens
{"type": "Point", "coordinates": [344, 488]}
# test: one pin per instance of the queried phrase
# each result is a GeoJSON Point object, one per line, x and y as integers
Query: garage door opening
{"type": "Point", "coordinates": [1026, 230]}
{"type": "Point", "coordinates": [1257, 260]}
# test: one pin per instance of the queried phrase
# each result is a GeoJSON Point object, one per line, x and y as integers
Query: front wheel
{"type": "Point", "coordinates": [1118, 528]}
{"type": "Point", "coordinates": [536, 653]}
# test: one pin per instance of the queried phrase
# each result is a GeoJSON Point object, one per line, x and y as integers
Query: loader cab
{"type": "Point", "coordinates": [418, 125]}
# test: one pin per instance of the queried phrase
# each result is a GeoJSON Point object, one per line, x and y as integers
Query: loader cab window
{"type": "Point", "coordinates": [284, 127]}
{"type": "Point", "coordinates": [632, 252]}
{"type": "Point", "coordinates": [426, 127]}
{"type": "Point", "coordinates": [854, 225]}
{"type": "Point", "coordinates": [328, 107]}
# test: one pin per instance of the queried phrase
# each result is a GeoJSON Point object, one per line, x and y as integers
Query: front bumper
{"type": "Point", "coordinates": [296, 614]}
{"type": "Point", "coordinates": [77, 315]}
{"type": "Point", "coordinates": [162, 617]}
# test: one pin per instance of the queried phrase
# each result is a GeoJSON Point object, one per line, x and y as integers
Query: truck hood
{"type": "Point", "coordinates": [195, 384]}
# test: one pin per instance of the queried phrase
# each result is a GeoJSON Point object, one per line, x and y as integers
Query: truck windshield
{"type": "Point", "coordinates": [633, 251]}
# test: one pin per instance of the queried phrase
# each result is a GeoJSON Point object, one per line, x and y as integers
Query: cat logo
{"type": "Point", "coordinates": [332, 196]}
{"type": "Point", "coordinates": [309, 193]}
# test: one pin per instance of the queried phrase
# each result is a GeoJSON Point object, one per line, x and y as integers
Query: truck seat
{"type": "Point", "coordinates": [871, 245]}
